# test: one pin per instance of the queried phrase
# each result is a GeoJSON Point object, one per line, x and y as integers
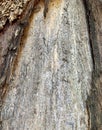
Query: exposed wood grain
{"type": "Point", "coordinates": [48, 87]}
{"type": "Point", "coordinates": [10, 38]}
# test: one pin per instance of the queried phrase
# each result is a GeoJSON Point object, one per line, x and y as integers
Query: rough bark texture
{"type": "Point", "coordinates": [54, 79]}
{"type": "Point", "coordinates": [94, 101]}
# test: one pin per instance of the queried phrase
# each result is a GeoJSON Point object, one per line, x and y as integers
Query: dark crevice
{"type": "Point", "coordinates": [87, 12]}
{"type": "Point", "coordinates": [7, 65]}
{"type": "Point", "coordinates": [92, 37]}
{"type": "Point", "coordinates": [93, 100]}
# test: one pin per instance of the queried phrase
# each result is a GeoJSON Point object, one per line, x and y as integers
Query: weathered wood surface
{"type": "Point", "coordinates": [53, 77]}
{"type": "Point", "coordinates": [10, 37]}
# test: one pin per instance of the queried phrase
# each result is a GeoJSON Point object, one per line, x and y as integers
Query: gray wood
{"type": "Point", "coordinates": [52, 78]}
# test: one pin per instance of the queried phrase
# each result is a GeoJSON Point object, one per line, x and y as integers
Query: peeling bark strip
{"type": "Point", "coordinates": [10, 36]}
{"type": "Point", "coordinates": [94, 17]}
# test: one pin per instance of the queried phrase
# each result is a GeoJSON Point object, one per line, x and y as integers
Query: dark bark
{"type": "Point", "coordinates": [94, 101]}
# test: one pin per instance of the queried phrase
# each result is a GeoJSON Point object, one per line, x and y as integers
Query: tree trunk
{"type": "Point", "coordinates": [51, 68]}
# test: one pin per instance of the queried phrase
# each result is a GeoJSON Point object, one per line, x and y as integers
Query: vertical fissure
{"type": "Point", "coordinates": [88, 20]}
{"type": "Point", "coordinates": [92, 100]}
